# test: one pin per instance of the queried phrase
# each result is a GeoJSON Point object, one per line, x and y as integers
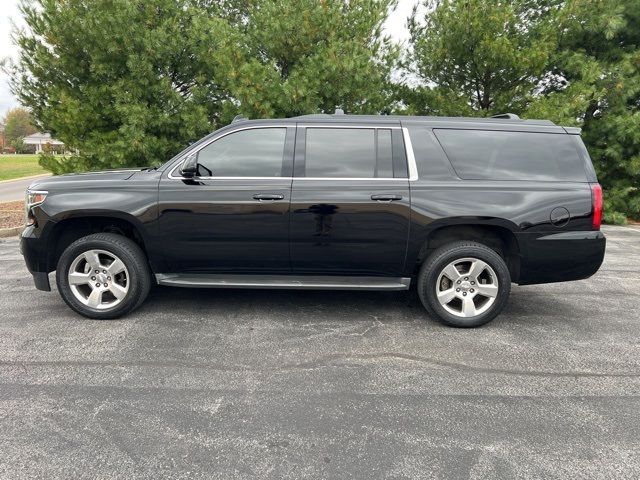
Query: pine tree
{"type": "Point", "coordinates": [594, 83]}
{"type": "Point", "coordinates": [480, 57]}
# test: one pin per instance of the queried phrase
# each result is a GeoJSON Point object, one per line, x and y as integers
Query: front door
{"type": "Point", "coordinates": [350, 205]}
{"type": "Point", "coordinates": [234, 216]}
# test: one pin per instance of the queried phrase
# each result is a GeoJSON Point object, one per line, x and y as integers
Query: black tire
{"type": "Point", "coordinates": [443, 256]}
{"type": "Point", "coordinates": [126, 250]}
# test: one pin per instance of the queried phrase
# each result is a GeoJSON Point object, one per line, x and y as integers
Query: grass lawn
{"type": "Point", "coordinates": [16, 166]}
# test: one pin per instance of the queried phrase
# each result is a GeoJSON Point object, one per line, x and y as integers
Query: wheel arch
{"type": "Point", "coordinates": [74, 226]}
{"type": "Point", "coordinates": [496, 234]}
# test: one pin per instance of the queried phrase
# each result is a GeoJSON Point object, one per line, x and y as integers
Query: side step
{"type": "Point", "coordinates": [283, 281]}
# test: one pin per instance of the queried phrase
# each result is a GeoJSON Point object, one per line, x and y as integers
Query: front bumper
{"type": "Point", "coordinates": [41, 281]}
{"type": "Point", "coordinates": [560, 257]}
{"type": "Point", "coordinates": [31, 248]}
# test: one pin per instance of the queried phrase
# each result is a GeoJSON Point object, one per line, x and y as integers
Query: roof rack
{"type": "Point", "coordinates": [239, 118]}
{"type": "Point", "coordinates": [506, 116]}
{"type": "Point", "coordinates": [433, 120]}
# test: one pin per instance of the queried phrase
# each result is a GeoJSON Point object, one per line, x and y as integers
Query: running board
{"type": "Point", "coordinates": [283, 281]}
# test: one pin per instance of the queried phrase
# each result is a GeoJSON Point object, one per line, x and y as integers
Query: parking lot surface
{"type": "Point", "coordinates": [304, 384]}
{"type": "Point", "coordinates": [11, 190]}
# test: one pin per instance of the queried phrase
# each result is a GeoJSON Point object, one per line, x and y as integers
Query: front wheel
{"type": "Point", "coordinates": [103, 276]}
{"type": "Point", "coordinates": [464, 284]}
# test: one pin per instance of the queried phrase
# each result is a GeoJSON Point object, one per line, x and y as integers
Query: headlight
{"type": "Point", "coordinates": [33, 198]}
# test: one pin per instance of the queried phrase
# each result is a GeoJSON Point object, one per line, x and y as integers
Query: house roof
{"type": "Point", "coordinates": [40, 138]}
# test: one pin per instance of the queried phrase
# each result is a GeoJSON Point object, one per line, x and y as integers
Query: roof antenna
{"type": "Point", "coordinates": [239, 118]}
{"type": "Point", "coordinates": [339, 111]}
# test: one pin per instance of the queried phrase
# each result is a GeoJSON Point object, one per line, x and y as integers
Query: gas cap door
{"type": "Point", "coordinates": [560, 217]}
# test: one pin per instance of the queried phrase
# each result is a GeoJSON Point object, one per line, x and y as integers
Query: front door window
{"type": "Point", "coordinates": [256, 152]}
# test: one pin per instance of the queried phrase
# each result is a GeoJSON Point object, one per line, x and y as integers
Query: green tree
{"type": "Point", "coordinates": [131, 82]}
{"type": "Point", "coordinates": [290, 57]}
{"type": "Point", "coordinates": [20, 146]}
{"type": "Point", "coordinates": [126, 82]}
{"type": "Point", "coordinates": [480, 56]}
{"type": "Point", "coordinates": [17, 125]}
{"type": "Point", "coordinates": [594, 83]}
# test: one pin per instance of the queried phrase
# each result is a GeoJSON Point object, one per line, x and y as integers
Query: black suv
{"type": "Point", "coordinates": [460, 206]}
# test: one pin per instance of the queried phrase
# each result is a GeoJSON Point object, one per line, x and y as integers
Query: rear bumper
{"type": "Point", "coordinates": [560, 257]}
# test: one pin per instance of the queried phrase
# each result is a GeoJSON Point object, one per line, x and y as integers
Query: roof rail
{"type": "Point", "coordinates": [506, 116]}
{"type": "Point", "coordinates": [239, 118]}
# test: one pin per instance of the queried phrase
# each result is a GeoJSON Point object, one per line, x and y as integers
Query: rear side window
{"type": "Point", "coordinates": [348, 153]}
{"type": "Point", "coordinates": [500, 155]}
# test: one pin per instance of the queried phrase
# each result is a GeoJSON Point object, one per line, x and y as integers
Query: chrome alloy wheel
{"type": "Point", "coordinates": [467, 287]}
{"type": "Point", "coordinates": [98, 279]}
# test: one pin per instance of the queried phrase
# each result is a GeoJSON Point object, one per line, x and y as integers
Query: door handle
{"type": "Point", "coordinates": [386, 198]}
{"type": "Point", "coordinates": [267, 196]}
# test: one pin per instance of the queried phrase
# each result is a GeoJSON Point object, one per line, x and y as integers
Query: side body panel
{"type": "Point", "coordinates": [130, 196]}
{"type": "Point", "coordinates": [336, 228]}
{"type": "Point", "coordinates": [525, 209]}
{"type": "Point", "coordinates": [217, 226]}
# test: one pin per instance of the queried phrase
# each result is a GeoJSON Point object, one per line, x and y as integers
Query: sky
{"type": "Point", "coordinates": [8, 12]}
{"type": "Point", "coordinates": [10, 16]}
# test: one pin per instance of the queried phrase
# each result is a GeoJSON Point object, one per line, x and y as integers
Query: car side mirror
{"type": "Point", "coordinates": [189, 168]}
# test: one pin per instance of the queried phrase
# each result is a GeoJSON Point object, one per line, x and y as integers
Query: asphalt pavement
{"type": "Point", "coordinates": [11, 190]}
{"type": "Point", "coordinates": [302, 384]}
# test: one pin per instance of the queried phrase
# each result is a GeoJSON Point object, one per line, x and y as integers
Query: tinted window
{"type": "Point", "coordinates": [497, 155]}
{"type": "Point", "coordinates": [348, 153]}
{"type": "Point", "coordinates": [255, 152]}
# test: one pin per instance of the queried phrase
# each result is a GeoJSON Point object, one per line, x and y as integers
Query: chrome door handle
{"type": "Point", "coordinates": [386, 198]}
{"type": "Point", "coordinates": [267, 196]}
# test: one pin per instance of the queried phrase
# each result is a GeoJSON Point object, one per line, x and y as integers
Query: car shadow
{"type": "Point", "coordinates": [300, 305]}
{"type": "Point", "coordinates": [282, 299]}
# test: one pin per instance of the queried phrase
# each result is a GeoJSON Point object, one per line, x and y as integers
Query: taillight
{"type": "Point", "coordinates": [596, 201]}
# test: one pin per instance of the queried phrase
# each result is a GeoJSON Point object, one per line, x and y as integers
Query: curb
{"type": "Point", "coordinates": [10, 232]}
{"type": "Point", "coordinates": [32, 177]}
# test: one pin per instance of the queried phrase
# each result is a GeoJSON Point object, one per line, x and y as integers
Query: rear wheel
{"type": "Point", "coordinates": [103, 276]}
{"type": "Point", "coordinates": [464, 284]}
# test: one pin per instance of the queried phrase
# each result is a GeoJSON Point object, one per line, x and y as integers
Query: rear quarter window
{"type": "Point", "coordinates": [502, 155]}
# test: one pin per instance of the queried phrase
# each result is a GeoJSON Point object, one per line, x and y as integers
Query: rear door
{"type": "Point", "coordinates": [350, 203]}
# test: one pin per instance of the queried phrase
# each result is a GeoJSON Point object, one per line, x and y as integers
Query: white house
{"type": "Point", "coordinates": [40, 140]}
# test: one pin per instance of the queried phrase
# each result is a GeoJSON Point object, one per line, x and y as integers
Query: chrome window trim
{"type": "Point", "coordinates": [411, 158]}
{"type": "Point", "coordinates": [352, 178]}
{"type": "Point", "coordinates": [229, 178]}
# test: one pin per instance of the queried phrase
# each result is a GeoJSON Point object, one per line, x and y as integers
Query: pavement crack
{"type": "Point", "coordinates": [333, 360]}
